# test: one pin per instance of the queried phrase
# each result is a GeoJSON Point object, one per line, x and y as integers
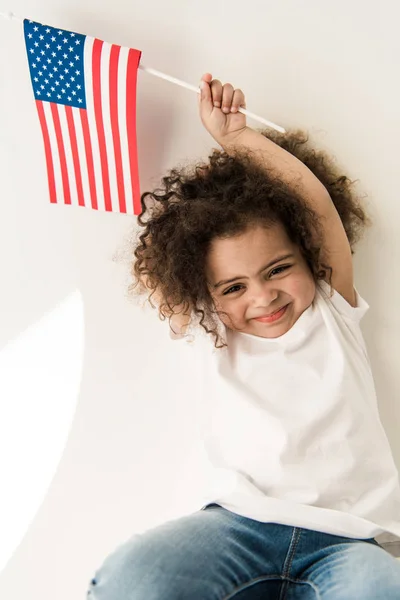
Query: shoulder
{"type": "Point", "coordinates": [195, 334]}
{"type": "Point", "coordinates": [336, 302]}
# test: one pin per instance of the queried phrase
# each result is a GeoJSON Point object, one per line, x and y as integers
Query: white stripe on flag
{"type": "Point", "coordinates": [122, 69]}
{"type": "Point", "coordinates": [87, 58]}
{"type": "Point", "coordinates": [68, 154]}
{"type": "Point", "coordinates": [54, 153]}
{"type": "Point", "coordinates": [82, 156]}
{"type": "Point", "coordinates": [105, 108]}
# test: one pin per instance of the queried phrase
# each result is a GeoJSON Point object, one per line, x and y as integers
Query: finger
{"type": "Point", "coordinates": [216, 92]}
{"type": "Point", "coordinates": [207, 77]}
{"type": "Point", "coordinates": [227, 96]}
{"type": "Point", "coordinates": [205, 91]}
{"type": "Point", "coordinates": [238, 100]}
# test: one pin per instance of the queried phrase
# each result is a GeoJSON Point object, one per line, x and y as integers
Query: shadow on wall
{"type": "Point", "coordinates": [40, 374]}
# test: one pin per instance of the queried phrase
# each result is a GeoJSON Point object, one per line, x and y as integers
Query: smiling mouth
{"type": "Point", "coordinates": [273, 316]}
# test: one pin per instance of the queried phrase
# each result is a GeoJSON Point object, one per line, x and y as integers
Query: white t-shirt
{"type": "Point", "coordinates": [292, 432]}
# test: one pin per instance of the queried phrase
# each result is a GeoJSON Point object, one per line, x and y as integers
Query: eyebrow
{"type": "Point", "coordinates": [270, 264]}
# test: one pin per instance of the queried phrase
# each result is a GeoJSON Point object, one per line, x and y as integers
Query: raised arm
{"type": "Point", "coordinates": [231, 132]}
{"type": "Point", "coordinates": [291, 170]}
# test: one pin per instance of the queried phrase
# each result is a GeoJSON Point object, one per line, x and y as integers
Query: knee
{"type": "Point", "coordinates": [156, 565]}
{"type": "Point", "coordinates": [125, 574]}
{"type": "Point", "coordinates": [372, 573]}
{"type": "Point", "coordinates": [143, 568]}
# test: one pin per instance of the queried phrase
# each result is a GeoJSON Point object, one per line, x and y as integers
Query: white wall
{"type": "Point", "coordinates": [106, 377]}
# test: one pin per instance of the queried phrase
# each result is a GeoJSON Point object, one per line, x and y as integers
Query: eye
{"type": "Point", "coordinates": [232, 288]}
{"type": "Point", "coordinates": [276, 271]}
{"type": "Point", "coordinates": [279, 270]}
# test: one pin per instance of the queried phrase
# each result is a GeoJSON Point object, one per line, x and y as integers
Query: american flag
{"type": "Point", "coordinates": [85, 93]}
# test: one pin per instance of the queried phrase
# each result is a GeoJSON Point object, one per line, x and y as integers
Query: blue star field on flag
{"type": "Point", "coordinates": [56, 64]}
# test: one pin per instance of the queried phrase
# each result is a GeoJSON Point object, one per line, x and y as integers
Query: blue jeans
{"type": "Point", "coordinates": [215, 554]}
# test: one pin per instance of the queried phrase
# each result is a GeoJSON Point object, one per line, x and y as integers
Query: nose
{"type": "Point", "coordinates": [263, 294]}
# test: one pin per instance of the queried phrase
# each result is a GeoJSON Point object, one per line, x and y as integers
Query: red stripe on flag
{"type": "Point", "coordinates": [75, 154]}
{"type": "Point", "coordinates": [89, 157]}
{"type": "Point", "coordinates": [96, 72]}
{"type": "Point", "coordinates": [131, 79]}
{"type": "Point", "coordinates": [114, 57]}
{"type": "Point", "coordinates": [47, 150]}
{"type": "Point", "coordinates": [61, 152]}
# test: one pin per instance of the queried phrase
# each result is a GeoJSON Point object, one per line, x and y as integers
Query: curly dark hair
{"type": "Point", "coordinates": [223, 198]}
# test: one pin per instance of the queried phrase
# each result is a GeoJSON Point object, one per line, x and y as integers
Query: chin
{"type": "Point", "coordinates": [278, 332]}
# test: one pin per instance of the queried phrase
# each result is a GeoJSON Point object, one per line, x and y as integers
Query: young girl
{"type": "Point", "coordinates": [254, 251]}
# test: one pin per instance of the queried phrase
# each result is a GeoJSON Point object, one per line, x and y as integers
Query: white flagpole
{"type": "Point", "coordinates": [11, 15]}
{"type": "Point", "coordinates": [197, 89]}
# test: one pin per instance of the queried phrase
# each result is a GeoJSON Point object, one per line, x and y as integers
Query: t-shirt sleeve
{"type": "Point", "coordinates": [355, 313]}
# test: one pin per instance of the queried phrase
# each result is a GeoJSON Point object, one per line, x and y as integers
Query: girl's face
{"type": "Point", "coordinates": [261, 280]}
